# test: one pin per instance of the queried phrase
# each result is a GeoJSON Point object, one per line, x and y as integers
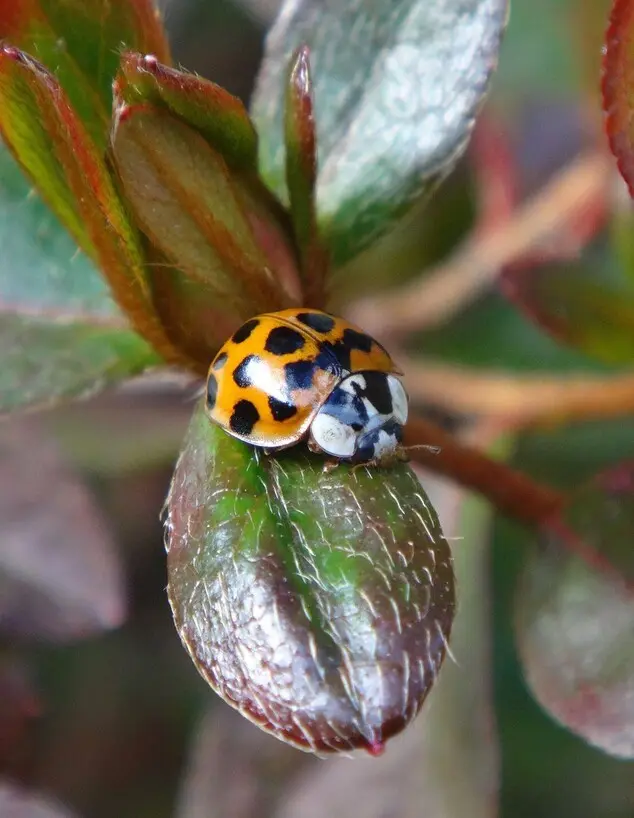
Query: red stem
{"type": "Point", "coordinates": [510, 491]}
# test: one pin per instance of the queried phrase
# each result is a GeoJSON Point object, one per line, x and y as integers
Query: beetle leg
{"type": "Point", "coordinates": [312, 446]}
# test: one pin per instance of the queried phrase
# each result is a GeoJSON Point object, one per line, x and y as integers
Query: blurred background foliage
{"type": "Point", "coordinates": [120, 724]}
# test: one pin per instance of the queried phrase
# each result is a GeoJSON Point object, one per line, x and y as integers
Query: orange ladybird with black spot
{"type": "Point", "coordinates": [303, 374]}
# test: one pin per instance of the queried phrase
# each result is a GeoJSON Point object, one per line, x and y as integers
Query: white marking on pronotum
{"type": "Point", "coordinates": [385, 444]}
{"type": "Point", "coordinates": [348, 384]}
{"type": "Point", "coordinates": [333, 436]}
{"type": "Point", "coordinates": [399, 399]}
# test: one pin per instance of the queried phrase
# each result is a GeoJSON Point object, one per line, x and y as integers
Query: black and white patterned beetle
{"type": "Point", "coordinates": [362, 420]}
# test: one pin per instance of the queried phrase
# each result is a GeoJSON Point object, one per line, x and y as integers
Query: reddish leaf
{"type": "Point", "coordinates": [585, 304]}
{"type": "Point", "coordinates": [222, 120]}
{"type": "Point", "coordinates": [496, 172]}
{"type": "Point", "coordinates": [40, 128]}
{"type": "Point", "coordinates": [80, 41]}
{"type": "Point", "coordinates": [60, 578]}
{"type": "Point", "coordinates": [575, 614]}
{"type": "Point", "coordinates": [52, 146]}
{"type": "Point", "coordinates": [215, 113]}
{"type": "Point", "coordinates": [512, 168]}
{"type": "Point", "coordinates": [301, 177]}
{"type": "Point", "coordinates": [618, 87]}
{"type": "Point", "coordinates": [209, 265]}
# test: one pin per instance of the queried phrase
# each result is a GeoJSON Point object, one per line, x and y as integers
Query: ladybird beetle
{"type": "Point", "coordinates": [302, 373]}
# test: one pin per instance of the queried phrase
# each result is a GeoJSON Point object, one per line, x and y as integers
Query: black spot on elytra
{"type": "Point", "coordinates": [244, 417]}
{"type": "Point", "coordinates": [212, 391]}
{"type": "Point", "coordinates": [299, 374]}
{"type": "Point", "coordinates": [284, 341]}
{"type": "Point", "coordinates": [240, 374]}
{"type": "Point", "coordinates": [318, 321]}
{"type": "Point", "coordinates": [350, 341]}
{"type": "Point", "coordinates": [245, 330]}
{"type": "Point", "coordinates": [341, 353]}
{"type": "Point", "coordinates": [280, 410]}
{"type": "Point", "coordinates": [377, 391]}
{"type": "Point", "coordinates": [357, 340]}
{"type": "Point", "coordinates": [220, 361]}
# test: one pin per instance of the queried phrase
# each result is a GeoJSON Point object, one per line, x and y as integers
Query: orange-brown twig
{"type": "Point", "coordinates": [519, 400]}
{"type": "Point", "coordinates": [510, 491]}
{"type": "Point", "coordinates": [444, 290]}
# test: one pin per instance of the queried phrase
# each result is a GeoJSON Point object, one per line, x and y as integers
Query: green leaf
{"type": "Point", "coordinates": [61, 335]}
{"type": "Point", "coordinates": [575, 614]}
{"type": "Point", "coordinates": [428, 233]}
{"type": "Point", "coordinates": [396, 93]}
{"type": "Point", "coordinates": [301, 177]}
{"type": "Point", "coordinates": [215, 113]}
{"type": "Point", "coordinates": [491, 333]}
{"type": "Point", "coordinates": [80, 42]}
{"type": "Point", "coordinates": [39, 127]}
{"type": "Point", "coordinates": [52, 146]}
{"type": "Point", "coordinates": [447, 763]}
{"type": "Point", "coordinates": [588, 305]}
{"type": "Point", "coordinates": [540, 61]}
{"type": "Point", "coordinates": [319, 604]}
{"type": "Point", "coordinates": [187, 203]}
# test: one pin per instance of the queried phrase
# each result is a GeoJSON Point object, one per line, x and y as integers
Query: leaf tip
{"type": "Point", "coordinates": [133, 63]}
{"type": "Point", "coordinates": [300, 76]}
{"type": "Point", "coordinates": [375, 747]}
{"type": "Point", "coordinates": [10, 51]}
{"type": "Point", "coordinates": [616, 74]}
